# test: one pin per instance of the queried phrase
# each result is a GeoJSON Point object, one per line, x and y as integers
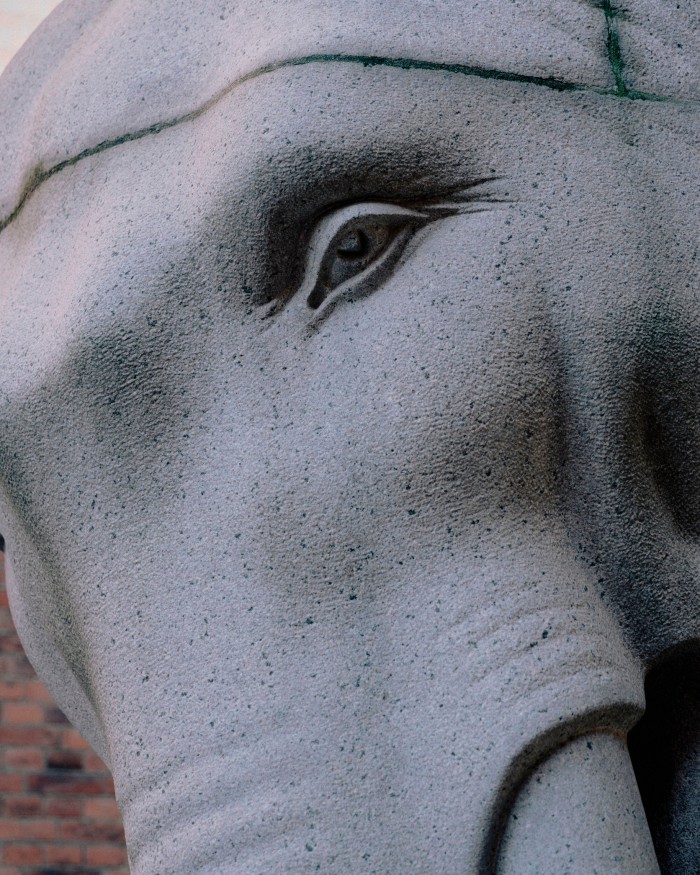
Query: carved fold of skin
{"type": "Point", "coordinates": [580, 811]}
{"type": "Point", "coordinates": [356, 247]}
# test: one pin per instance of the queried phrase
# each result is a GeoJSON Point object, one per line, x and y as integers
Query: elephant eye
{"type": "Point", "coordinates": [354, 248]}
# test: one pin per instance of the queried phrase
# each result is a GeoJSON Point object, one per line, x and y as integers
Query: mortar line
{"type": "Point", "coordinates": [39, 175]}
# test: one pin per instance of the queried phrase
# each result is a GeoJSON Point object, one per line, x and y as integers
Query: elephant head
{"type": "Point", "coordinates": [349, 433]}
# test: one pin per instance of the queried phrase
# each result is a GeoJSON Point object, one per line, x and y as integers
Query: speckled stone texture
{"type": "Point", "coordinates": [349, 431]}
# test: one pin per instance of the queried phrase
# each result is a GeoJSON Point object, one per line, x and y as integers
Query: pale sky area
{"type": "Point", "coordinates": [18, 18]}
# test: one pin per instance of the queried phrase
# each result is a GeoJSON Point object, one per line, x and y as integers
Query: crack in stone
{"type": "Point", "coordinates": [613, 46]}
{"type": "Point", "coordinates": [41, 175]}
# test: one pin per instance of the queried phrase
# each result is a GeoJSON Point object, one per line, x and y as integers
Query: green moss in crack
{"type": "Point", "coordinates": [613, 46]}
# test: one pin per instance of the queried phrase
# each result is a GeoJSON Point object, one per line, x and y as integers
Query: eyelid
{"type": "Point", "coordinates": [333, 226]}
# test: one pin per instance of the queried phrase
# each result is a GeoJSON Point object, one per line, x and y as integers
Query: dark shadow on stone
{"type": "Point", "coordinates": [665, 751]}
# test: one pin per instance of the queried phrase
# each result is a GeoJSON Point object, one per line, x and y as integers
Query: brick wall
{"type": "Point", "coordinates": [57, 809]}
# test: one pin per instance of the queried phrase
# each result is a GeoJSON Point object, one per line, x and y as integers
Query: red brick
{"type": "Point", "coordinates": [106, 855]}
{"type": "Point", "coordinates": [53, 714]}
{"type": "Point", "coordinates": [37, 692]}
{"type": "Point", "coordinates": [105, 832]}
{"type": "Point", "coordinates": [7, 627]}
{"type": "Point", "coordinates": [93, 763]}
{"type": "Point", "coordinates": [81, 870]}
{"type": "Point", "coordinates": [11, 691]}
{"type": "Point", "coordinates": [23, 806]}
{"type": "Point", "coordinates": [22, 713]}
{"type": "Point", "coordinates": [62, 759]}
{"type": "Point", "coordinates": [65, 808]}
{"type": "Point", "coordinates": [10, 644]}
{"type": "Point", "coordinates": [63, 855]}
{"type": "Point", "coordinates": [27, 855]}
{"type": "Point", "coordinates": [33, 735]}
{"type": "Point", "coordinates": [73, 740]}
{"type": "Point", "coordinates": [28, 757]}
{"type": "Point", "coordinates": [21, 666]}
{"type": "Point", "coordinates": [41, 829]}
{"type": "Point", "coordinates": [69, 784]}
{"type": "Point", "coordinates": [11, 783]}
{"type": "Point", "coordinates": [14, 666]}
{"type": "Point", "coordinates": [101, 808]}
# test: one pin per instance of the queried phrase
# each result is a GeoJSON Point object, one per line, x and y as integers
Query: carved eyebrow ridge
{"type": "Point", "coordinates": [40, 175]}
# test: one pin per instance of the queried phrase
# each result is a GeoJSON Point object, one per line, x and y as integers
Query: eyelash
{"type": "Point", "coordinates": [354, 248]}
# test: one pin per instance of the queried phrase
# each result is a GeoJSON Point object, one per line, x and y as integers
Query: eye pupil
{"type": "Point", "coordinates": [354, 245]}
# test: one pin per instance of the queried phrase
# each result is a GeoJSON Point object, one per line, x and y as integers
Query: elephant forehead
{"type": "Point", "coordinates": [98, 70]}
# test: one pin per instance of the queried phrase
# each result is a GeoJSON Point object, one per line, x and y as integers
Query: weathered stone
{"type": "Point", "coordinates": [349, 424]}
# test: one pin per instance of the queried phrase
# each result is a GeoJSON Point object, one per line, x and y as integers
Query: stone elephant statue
{"type": "Point", "coordinates": [350, 426]}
